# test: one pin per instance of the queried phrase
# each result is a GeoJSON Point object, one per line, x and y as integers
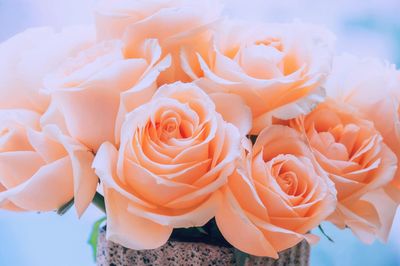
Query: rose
{"type": "Point", "coordinates": [177, 24]}
{"type": "Point", "coordinates": [27, 57]}
{"type": "Point", "coordinates": [41, 170]}
{"type": "Point", "coordinates": [372, 87]}
{"type": "Point", "coordinates": [89, 92]}
{"type": "Point", "coordinates": [175, 152]}
{"type": "Point", "coordinates": [278, 69]}
{"type": "Point", "coordinates": [276, 196]}
{"type": "Point", "coordinates": [360, 164]}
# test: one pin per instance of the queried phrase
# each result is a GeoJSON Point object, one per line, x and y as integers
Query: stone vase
{"type": "Point", "coordinates": [191, 253]}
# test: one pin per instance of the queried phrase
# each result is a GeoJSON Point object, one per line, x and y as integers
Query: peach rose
{"type": "Point", "coordinates": [276, 196]}
{"type": "Point", "coordinates": [89, 91]}
{"type": "Point", "coordinates": [175, 152]}
{"type": "Point", "coordinates": [41, 170]}
{"type": "Point", "coordinates": [27, 57]}
{"type": "Point", "coordinates": [177, 24]}
{"type": "Point", "coordinates": [373, 87]}
{"type": "Point", "coordinates": [278, 69]}
{"type": "Point", "coordinates": [360, 164]}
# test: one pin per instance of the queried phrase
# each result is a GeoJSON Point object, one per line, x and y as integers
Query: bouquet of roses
{"type": "Point", "coordinates": [179, 117]}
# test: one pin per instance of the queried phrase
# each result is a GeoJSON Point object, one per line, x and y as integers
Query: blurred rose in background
{"type": "Point", "coordinates": [368, 28]}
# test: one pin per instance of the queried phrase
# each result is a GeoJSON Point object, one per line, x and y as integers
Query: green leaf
{"type": "Point", "coordinates": [65, 208]}
{"type": "Point", "coordinates": [98, 201]}
{"type": "Point", "coordinates": [241, 257]}
{"type": "Point", "coordinates": [94, 235]}
{"type": "Point", "coordinates": [201, 230]}
{"type": "Point", "coordinates": [323, 232]}
{"type": "Point", "coordinates": [253, 138]}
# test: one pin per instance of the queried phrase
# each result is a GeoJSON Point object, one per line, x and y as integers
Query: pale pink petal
{"type": "Point", "coordinates": [233, 110]}
{"type": "Point", "coordinates": [130, 230]}
{"type": "Point", "coordinates": [48, 189]}
{"type": "Point", "coordinates": [105, 164]}
{"type": "Point", "coordinates": [198, 216]}
{"type": "Point", "coordinates": [238, 230]}
{"type": "Point", "coordinates": [84, 177]}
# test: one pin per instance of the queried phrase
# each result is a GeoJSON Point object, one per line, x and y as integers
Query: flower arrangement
{"type": "Point", "coordinates": [188, 123]}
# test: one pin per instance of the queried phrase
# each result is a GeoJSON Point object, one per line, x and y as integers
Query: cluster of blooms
{"type": "Point", "coordinates": [183, 116]}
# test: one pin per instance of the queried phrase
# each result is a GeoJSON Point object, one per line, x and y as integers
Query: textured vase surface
{"type": "Point", "coordinates": [191, 253]}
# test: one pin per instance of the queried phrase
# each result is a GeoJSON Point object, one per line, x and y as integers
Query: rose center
{"type": "Point", "coordinates": [273, 42]}
{"type": "Point", "coordinates": [170, 128]}
{"type": "Point", "coordinates": [288, 183]}
{"type": "Point", "coordinates": [261, 61]}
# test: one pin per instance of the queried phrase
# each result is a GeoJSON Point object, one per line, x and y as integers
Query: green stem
{"type": "Point", "coordinates": [63, 209]}
{"type": "Point", "coordinates": [325, 234]}
{"type": "Point", "coordinates": [98, 201]}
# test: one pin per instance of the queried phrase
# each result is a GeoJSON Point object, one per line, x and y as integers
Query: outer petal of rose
{"type": "Point", "coordinates": [393, 190]}
{"type": "Point", "coordinates": [189, 52]}
{"type": "Point", "coordinates": [24, 117]}
{"type": "Point", "coordinates": [130, 230]}
{"type": "Point", "coordinates": [300, 107]}
{"type": "Point", "coordinates": [49, 149]}
{"type": "Point", "coordinates": [346, 187]}
{"type": "Point", "coordinates": [18, 166]}
{"type": "Point", "coordinates": [179, 20]}
{"type": "Point", "coordinates": [123, 227]}
{"type": "Point", "coordinates": [355, 80]}
{"type": "Point", "coordinates": [53, 116]}
{"type": "Point", "coordinates": [279, 238]}
{"type": "Point", "coordinates": [6, 204]}
{"type": "Point", "coordinates": [245, 193]}
{"type": "Point", "coordinates": [15, 122]}
{"type": "Point", "coordinates": [389, 128]}
{"type": "Point", "coordinates": [85, 179]}
{"type": "Point", "coordinates": [52, 145]}
{"type": "Point", "coordinates": [154, 188]}
{"type": "Point", "coordinates": [113, 17]}
{"type": "Point", "coordinates": [105, 164]}
{"type": "Point", "coordinates": [249, 238]}
{"type": "Point", "coordinates": [321, 209]}
{"type": "Point", "coordinates": [11, 52]}
{"type": "Point", "coordinates": [292, 143]}
{"type": "Point", "coordinates": [81, 106]}
{"type": "Point", "coordinates": [363, 229]}
{"type": "Point", "coordinates": [193, 217]}
{"type": "Point", "coordinates": [391, 135]}
{"type": "Point", "coordinates": [82, 109]}
{"type": "Point", "coordinates": [219, 174]}
{"type": "Point", "coordinates": [48, 189]}
{"type": "Point", "coordinates": [386, 208]}
{"type": "Point", "coordinates": [197, 196]}
{"type": "Point", "coordinates": [139, 94]}
{"type": "Point", "coordinates": [327, 207]}
{"type": "Point", "coordinates": [384, 174]}
{"type": "Point", "coordinates": [233, 110]}
{"type": "Point", "coordinates": [9, 206]}
{"type": "Point", "coordinates": [20, 54]}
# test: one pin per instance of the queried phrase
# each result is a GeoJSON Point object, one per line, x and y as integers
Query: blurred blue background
{"type": "Point", "coordinates": [363, 27]}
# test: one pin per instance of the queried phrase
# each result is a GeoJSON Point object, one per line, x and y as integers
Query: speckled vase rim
{"type": "Point", "coordinates": [177, 253]}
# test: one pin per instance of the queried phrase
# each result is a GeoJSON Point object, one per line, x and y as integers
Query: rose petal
{"type": "Point", "coordinates": [54, 178]}
{"type": "Point", "coordinates": [130, 230]}
{"type": "Point", "coordinates": [249, 238]}
{"type": "Point", "coordinates": [240, 115]}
